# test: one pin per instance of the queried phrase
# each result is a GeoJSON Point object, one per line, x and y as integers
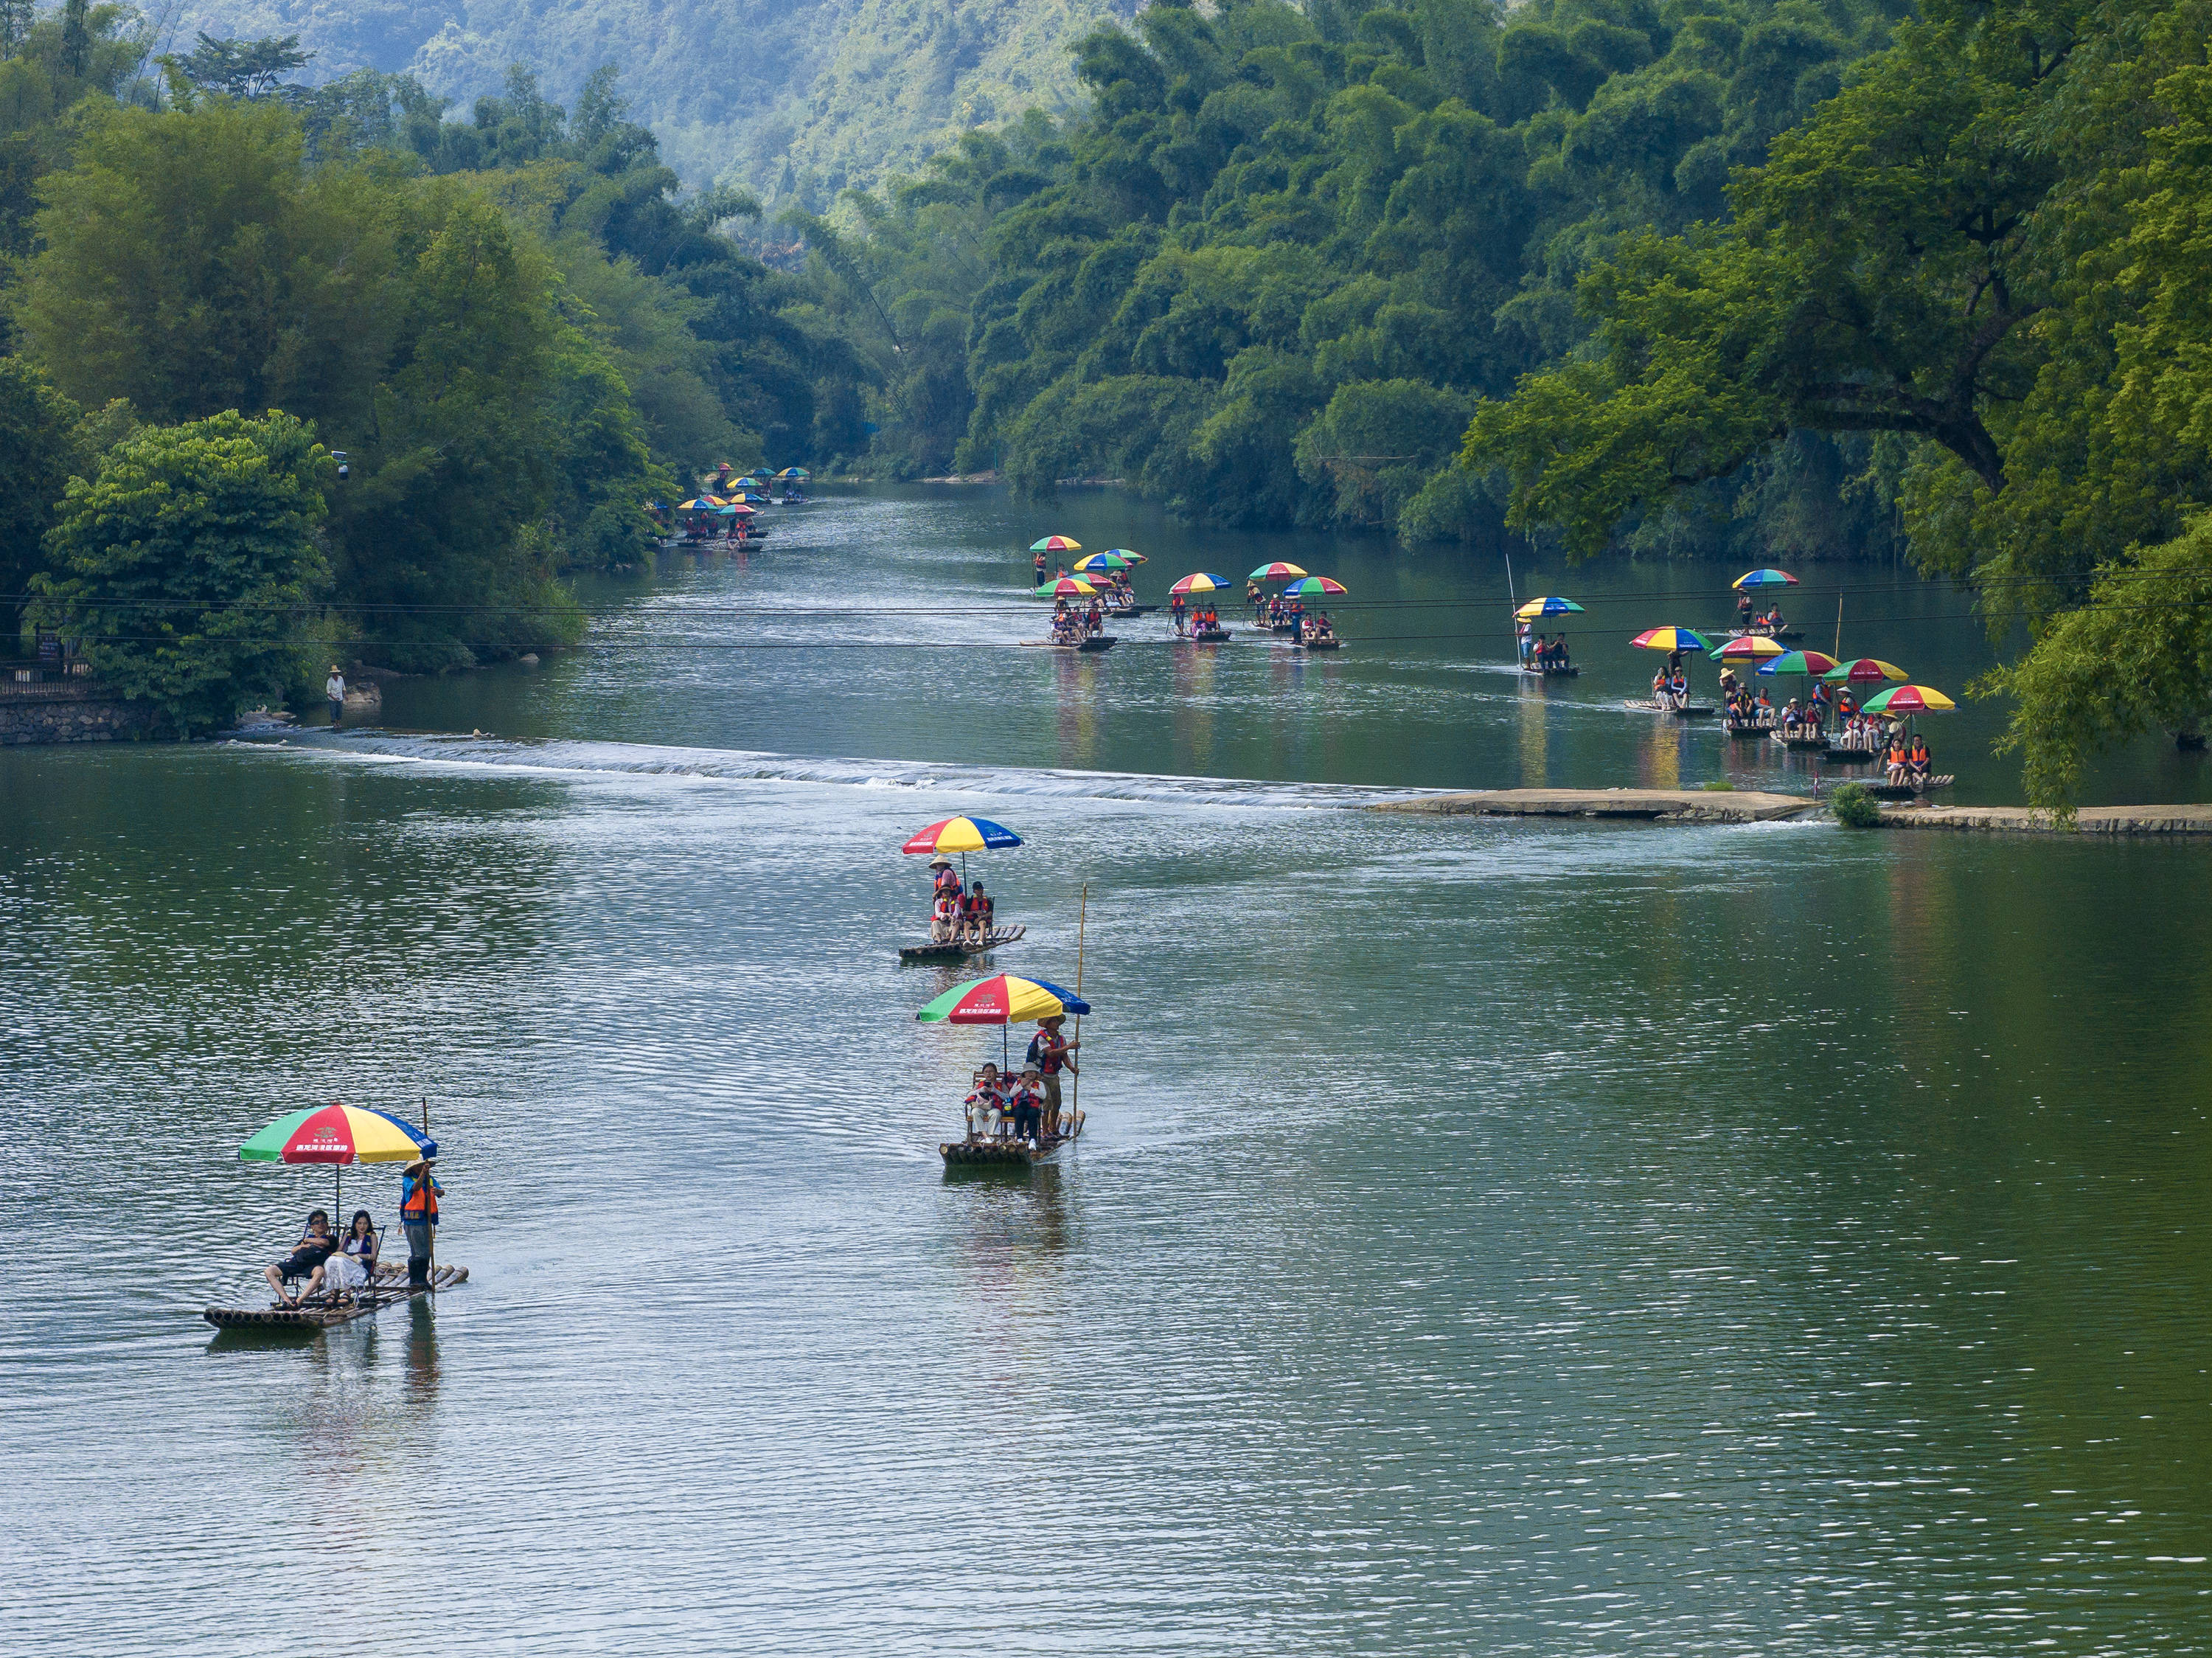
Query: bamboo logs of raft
{"type": "Point", "coordinates": [389, 1286]}
{"type": "Point", "coordinates": [953, 949]}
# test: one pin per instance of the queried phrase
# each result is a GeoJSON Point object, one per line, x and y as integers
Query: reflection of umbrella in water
{"type": "Point", "coordinates": [337, 1134]}
{"type": "Point", "coordinates": [1004, 999]}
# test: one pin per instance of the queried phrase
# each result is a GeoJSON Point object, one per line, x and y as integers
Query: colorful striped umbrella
{"type": "Point", "coordinates": [1765, 578]}
{"type": "Point", "coordinates": [1134, 557]}
{"type": "Point", "coordinates": [702, 503]}
{"type": "Point", "coordinates": [1864, 670]}
{"type": "Point", "coordinates": [1669, 638]}
{"type": "Point", "coordinates": [1067, 587]}
{"type": "Point", "coordinates": [337, 1133]}
{"type": "Point", "coordinates": [1808, 662]}
{"type": "Point", "coordinates": [1536, 608]}
{"type": "Point", "coordinates": [1004, 999]}
{"type": "Point", "coordinates": [794, 471]}
{"type": "Point", "coordinates": [1103, 561]}
{"type": "Point", "coordinates": [963, 835]}
{"type": "Point", "coordinates": [1275, 572]}
{"type": "Point", "coordinates": [1201, 582]}
{"type": "Point", "coordinates": [1909, 699]}
{"type": "Point", "coordinates": [1056, 544]}
{"type": "Point", "coordinates": [1752, 646]}
{"type": "Point", "coordinates": [1313, 586]}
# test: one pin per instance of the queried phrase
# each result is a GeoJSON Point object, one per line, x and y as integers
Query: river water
{"type": "Point", "coordinates": [1488, 1237]}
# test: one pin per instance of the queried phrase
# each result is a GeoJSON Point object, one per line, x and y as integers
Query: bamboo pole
{"type": "Point", "coordinates": [430, 1198]}
{"type": "Point", "coordinates": [1075, 1094]}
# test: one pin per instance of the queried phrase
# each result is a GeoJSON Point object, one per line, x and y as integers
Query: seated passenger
{"type": "Point", "coordinates": [353, 1267]}
{"type": "Point", "coordinates": [1028, 1101]}
{"type": "Point", "coordinates": [316, 1245]}
{"type": "Point", "coordinates": [1920, 760]}
{"type": "Point", "coordinates": [943, 920]}
{"type": "Point", "coordinates": [1901, 760]}
{"type": "Point", "coordinates": [987, 1105]}
{"type": "Point", "coordinates": [976, 910]}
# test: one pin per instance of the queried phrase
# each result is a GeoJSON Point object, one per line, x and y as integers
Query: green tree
{"type": "Point", "coordinates": [190, 262]}
{"type": "Point", "coordinates": [2134, 658]}
{"type": "Point", "coordinates": [39, 447]}
{"type": "Point", "coordinates": [189, 564]}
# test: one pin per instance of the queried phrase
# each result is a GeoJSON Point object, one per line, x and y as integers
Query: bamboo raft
{"type": "Point", "coordinates": [1754, 729]}
{"type": "Point", "coordinates": [1853, 756]}
{"type": "Point", "coordinates": [1211, 635]}
{"type": "Point", "coordinates": [1317, 644]}
{"type": "Point", "coordinates": [1096, 642]}
{"type": "Point", "coordinates": [1788, 636]}
{"type": "Point", "coordinates": [953, 949]}
{"type": "Point", "coordinates": [389, 1285]}
{"type": "Point", "coordinates": [1687, 711]}
{"type": "Point", "coordinates": [1909, 790]}
{"type": "Point", "coordinates": [1569, 672]}
{"type": "Point", "coordinates": [998, 1154]}
{"type": "Point", "coordinates": [1801, 745]}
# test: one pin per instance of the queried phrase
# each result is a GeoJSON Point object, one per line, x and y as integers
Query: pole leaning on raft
{"type": "Point", "coordinates": [430, 1273]}
{"type": "Point", "coordinates": [1075, 1094]}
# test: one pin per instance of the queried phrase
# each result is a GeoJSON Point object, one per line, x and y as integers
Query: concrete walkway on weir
{"type": "Point", "coordinates": [1649, 804]}
{"type": "Point", "coordinates": [2023, 820]}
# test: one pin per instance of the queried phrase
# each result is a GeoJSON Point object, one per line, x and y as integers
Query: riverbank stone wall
{"type": "Point", "coordinates": [92, 716]}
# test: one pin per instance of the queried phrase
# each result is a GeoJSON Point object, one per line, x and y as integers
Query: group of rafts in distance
{"type": "Point", "coordinates": [1097, 586]}
{"type": "Point", "coordinates": [1825, 718]}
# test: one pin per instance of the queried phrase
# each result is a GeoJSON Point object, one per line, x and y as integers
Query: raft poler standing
{"type": "Point", "coordinates": [419, 1193]}
{"type": "Point", "coordinates": [334, 688]}
{"type": "Point", "coordinates": [1052, 1053]}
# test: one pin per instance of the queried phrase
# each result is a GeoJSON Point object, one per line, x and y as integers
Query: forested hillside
{"type": "Point", "coordinates": [513, 328]}
{"type": "Point", "coordinates": [1989, 251]}
{"type": "Point", "coordinates": [793, 99]}
{"type": "Point", "coordinates": [1269, 278]}
{"type": "Point", "coordinates": [1793, 279]}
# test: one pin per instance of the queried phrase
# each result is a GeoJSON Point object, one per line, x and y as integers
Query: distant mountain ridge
{"type": "Point", "coordinates": [791, 98]}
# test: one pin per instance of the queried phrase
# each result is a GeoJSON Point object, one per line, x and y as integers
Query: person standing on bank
{"type": "Point", "coordinates": [334, 688]}
{"type": "Point", "coordinates": [419, 1193]}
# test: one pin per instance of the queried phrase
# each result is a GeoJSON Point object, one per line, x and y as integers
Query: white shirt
{"type": "Point", "coordinates": [334, 687]}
